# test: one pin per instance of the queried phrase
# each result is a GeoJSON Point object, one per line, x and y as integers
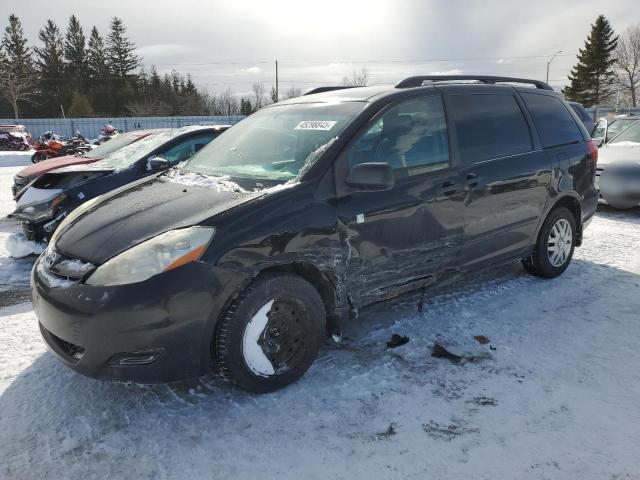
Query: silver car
{"type": "Point", "coordinates": [618, 169]}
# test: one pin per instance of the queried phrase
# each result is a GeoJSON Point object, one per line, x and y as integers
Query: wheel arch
{"type": "Point", "coordinates": [572, 203]}
{"type": "Point", "coordinates": [325, 287]}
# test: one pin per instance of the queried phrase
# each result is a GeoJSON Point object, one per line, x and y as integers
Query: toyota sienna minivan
{"type": "Point", "coordinates": [244, 257]}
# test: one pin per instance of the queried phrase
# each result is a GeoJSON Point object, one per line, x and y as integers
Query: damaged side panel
{"type": "Point", "coordinates": [402, 239]}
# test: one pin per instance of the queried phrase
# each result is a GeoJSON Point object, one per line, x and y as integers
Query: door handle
{"type": "Point", "coordinates": [449, 188]}
{"type": "Point", "coordinates": [472, 180]}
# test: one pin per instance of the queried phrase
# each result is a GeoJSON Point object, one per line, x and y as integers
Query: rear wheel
{"type": "Point", "coordinates": [270, 335]}
{"type": "Point", "coordinates": [555, 245]}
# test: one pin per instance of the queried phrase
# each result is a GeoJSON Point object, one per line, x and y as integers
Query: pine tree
{"type": "Point", "coordinates": [50, 65]}
{"type": "Point", "coordinates": [80, 106]}
{"type": "Point", "coordinates": [97, 68]}
{"type": "Point", "coordinates": [75, 49]}
{"type": "Point", "coordinates": [593, 78]}
{"type": "Point", "coordinates": [121, 58]}
{"type": "Point", "coordinates": [245, 106]}
{"type": "Point", "coordinates": [17, 79]}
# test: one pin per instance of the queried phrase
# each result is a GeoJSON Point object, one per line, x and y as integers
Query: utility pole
{"type": "Point", "coordinates": [277, 96]}
{"type": "Point", "coordinates": [549, 63]}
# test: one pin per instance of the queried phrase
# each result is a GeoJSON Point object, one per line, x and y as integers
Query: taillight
{"type": "Point", "coordinates": [593, 150]}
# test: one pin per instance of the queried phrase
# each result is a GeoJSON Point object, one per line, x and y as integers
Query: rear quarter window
{"type": "Point", "coordinates": [489, 126]}
{"type": "Point", "coordinates": [555, 125]}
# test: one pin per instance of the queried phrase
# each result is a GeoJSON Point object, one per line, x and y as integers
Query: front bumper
{"type": "Point", "coordinates": [165, 324]}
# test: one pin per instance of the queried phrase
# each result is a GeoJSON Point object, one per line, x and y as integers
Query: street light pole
{"type": "Point", "coordinates": [549, 63]}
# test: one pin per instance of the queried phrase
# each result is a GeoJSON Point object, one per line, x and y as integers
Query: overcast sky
{"type": "Point", "coordinates": [234, 43]}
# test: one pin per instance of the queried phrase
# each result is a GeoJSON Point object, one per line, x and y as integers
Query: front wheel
{"type": "Point", "coordinates": [270, 335]}
{"type": "Point", "coordinates": [38, 157]}
{"type": "Point", "coordinates": [555, 245]}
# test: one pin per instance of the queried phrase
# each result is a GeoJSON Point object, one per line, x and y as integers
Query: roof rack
{"type": "Point", "coordinates": [328, 88]}
{"type": "Point", "coordinates": [418, 80]}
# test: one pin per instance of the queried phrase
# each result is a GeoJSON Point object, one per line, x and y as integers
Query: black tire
{"type": "Point", "coordinates": [38, 157]}
{"type": "Point", "coordinates": [539, 263]}
{"type": "Point", "coordinates": [292, 335]}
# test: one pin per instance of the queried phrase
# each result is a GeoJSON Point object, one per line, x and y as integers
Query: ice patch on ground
{"type": "Point", "coordinates": [18, 246]}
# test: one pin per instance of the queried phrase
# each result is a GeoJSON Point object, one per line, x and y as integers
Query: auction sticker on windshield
{"type": "Point", "coordinates": [315, 125]}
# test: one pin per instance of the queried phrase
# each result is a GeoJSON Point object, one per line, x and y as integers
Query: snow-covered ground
{"type": "Point", "coordinates": [554, 395]}
{"type": "Point", "coordinates": [14, 273]}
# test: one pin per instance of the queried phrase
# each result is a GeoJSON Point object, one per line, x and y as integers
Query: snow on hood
{"type": "Point", "coordinates": [220, 184]}
{"type": "Point", "coordinates": [619, 152]}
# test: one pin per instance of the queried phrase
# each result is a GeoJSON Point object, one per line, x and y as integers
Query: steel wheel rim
{"type": "Point", "coordinates": [273, 340]}
{"type": "Point", "coordinates": [559, 243]}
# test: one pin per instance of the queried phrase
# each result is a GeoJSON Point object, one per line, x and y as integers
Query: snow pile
{"type": "Point", "coordinates": [15, 159]}
{"type": "Point", "coordinates": [626, 143]}
{"type": "Point", "coordinates": [18, 246]}
{"type": "Point", "coordinates": [191, 179]}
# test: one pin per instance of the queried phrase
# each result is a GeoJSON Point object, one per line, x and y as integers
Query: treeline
{"type": "Point", "coordinates": [101, 76]}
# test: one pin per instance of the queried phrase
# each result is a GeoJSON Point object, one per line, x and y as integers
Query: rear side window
{"type": "Point", "coordinates": [489, 126]}
{"type": "Point", "coordinates": [554, 123]}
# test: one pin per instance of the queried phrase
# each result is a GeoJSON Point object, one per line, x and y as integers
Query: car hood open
{"type": "Point", "coordinates": [139, 211]}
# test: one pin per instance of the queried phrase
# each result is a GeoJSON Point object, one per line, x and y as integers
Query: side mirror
{"type": "Point", "coordinates": [372, 177]}
{"type": "Point", "coordinates": [598, 141]}
{"type": "Point", "coordinates": [157, 163]}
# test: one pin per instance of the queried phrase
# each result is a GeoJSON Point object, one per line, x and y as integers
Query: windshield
{"type": "Point", "coordinates": [127, 156]}
{"type": "Point", "coordinates": [116, 143]}
{"type": "Point", "coordinates": [631, 134]}
{"type": "Point", "coordinates": [277, 143]}
{"type": "Point", "coordinates": [616, 126]}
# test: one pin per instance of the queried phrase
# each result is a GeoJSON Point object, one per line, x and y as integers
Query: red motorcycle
{"type": "Point", "coordinates": [50, 145]}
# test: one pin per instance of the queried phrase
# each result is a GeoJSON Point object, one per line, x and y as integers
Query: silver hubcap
{"type": "Point", "coordinates": [559, 243]}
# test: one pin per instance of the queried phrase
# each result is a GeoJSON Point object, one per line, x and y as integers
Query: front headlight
{"type": "Point", "coordinates": [162, 253]}
{"type": "Point", "coordinates": [43, 211]}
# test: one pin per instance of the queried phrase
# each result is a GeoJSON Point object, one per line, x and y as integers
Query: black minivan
{"type": "Point", "coordinates": [244, 257]}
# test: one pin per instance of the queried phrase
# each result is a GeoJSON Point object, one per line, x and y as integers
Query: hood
{"type": "Point", "coordinates": [45, 166]}
{"type": "Point", "coordinates": [139, 211]}
{"type": "Point", "coordinates": [616, 152]}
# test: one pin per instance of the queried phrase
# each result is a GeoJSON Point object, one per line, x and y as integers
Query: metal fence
{"type": "Point", "coordinates": [90, 127]}
{"type": "Point", "coordinates": [598, 112]}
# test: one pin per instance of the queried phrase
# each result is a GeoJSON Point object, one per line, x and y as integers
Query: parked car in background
{"type": "Point", "coordinates": [618, 172]}
{"type": "Point", "coordinates": [605, 130]}
{"type": "Point", "coordinates": [54, 195]}
{"type": "Point", "coordinates": [14, 138]}
{"type": "Point", "coordinates": [583, 115]}
{"type": "Point", "coordinates": [30, 173]}
{"type": "Point", "coordinates": [250, 252]}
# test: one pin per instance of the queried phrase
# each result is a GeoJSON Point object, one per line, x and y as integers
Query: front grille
{"type": "Point", "coordinates": [70, 351]}
{"type": "Point", "coordinates": [66, 267]}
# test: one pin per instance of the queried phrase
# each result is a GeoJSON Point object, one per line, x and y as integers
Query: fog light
{"type": "Point", "coordinates": [141, 357]}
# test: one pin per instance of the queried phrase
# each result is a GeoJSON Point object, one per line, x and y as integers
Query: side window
{"type": "Point", "coordinates": [489, 126]}
{"type": "Point", "coordinates": [554, 123]}
{"type": "Point", "coordinates": [410, 136]}
{"type": "Point", "coordinates": [185, 149]}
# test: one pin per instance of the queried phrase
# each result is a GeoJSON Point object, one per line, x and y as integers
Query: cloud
{"type": "Point", "coordinates": [163, 50]}
{"type": "Point", "coordinates": [251, 70]}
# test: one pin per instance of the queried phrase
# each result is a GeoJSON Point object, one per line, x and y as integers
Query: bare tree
{"type": "Point", "coordinates": [258, 96]}
{"type": "Point", "coordinates": [292, 92]}
{"type": "Point", "coordinates": [627, 55]}
{"type": "Point", "coordinates": [358, 78]}
{"type": "Point", "coordinates": [228, 103]}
